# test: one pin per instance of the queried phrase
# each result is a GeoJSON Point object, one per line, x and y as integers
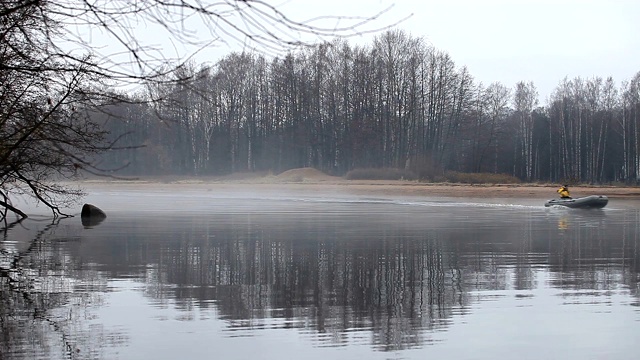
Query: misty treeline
{"type": "Point", "coordinates": [396, 103]}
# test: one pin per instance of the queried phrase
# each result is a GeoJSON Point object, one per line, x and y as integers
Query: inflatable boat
{"type": "Point", "coordinates": [588, 202]}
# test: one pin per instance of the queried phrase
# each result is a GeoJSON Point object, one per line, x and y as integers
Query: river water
{"type": "Point", "coordinates": [203, 274]}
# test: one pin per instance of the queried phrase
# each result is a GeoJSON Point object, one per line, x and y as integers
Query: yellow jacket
{"type": "Point", "coordinates": [564, 192]}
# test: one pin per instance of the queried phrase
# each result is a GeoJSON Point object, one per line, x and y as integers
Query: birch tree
{"type": "Point", "coordinates": [628, 124]}
{"type": "Point", "coordinates": [524, 101]}
{"type": "Point", "coordinates": [494, 102]}
{"type": "Point", "coordinates": [52, 76]}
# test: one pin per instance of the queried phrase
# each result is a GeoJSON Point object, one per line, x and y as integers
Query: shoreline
{"type": "Point", "coordinates": [368, 187]}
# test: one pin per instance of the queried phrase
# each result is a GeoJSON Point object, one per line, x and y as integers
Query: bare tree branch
{"type": "Point", "coordinates": [57, 81]}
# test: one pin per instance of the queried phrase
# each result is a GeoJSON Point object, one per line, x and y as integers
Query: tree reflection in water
{"type": "Point", "coordinates": [47, 296]}
{"type": "Point", "coordinates": [401, 281]}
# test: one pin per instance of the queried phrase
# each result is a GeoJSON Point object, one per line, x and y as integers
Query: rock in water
{"type": "Point", "coordinates": [92, 211]}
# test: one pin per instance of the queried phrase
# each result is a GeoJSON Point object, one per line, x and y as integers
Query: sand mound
{"type": "Point", "coordinates": [304, 174]}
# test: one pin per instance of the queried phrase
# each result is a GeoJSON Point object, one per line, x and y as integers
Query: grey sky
{"type": "Point", "coordinates": [512, 40]}
{"type": "Point", "coordinates": [508, 41]}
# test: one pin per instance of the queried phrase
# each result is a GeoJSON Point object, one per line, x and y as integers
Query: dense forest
{"type": "Point", "coordinates": [396, 103]}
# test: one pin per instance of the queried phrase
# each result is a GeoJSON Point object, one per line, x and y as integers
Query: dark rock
{"type": "Point", "coordinates": [91, 215]}
{"type": "Point", "coordinates": [92, 211]}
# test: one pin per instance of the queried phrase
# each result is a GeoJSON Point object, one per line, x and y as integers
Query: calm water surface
{"type": "Point", "coordinates": [241, 275]}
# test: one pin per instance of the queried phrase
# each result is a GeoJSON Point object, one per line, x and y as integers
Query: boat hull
{"type": "Point", "coordinates": [588, 202]}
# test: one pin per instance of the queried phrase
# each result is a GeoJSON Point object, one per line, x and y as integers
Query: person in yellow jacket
{"type": "Point", "coordinates": [564, 192]}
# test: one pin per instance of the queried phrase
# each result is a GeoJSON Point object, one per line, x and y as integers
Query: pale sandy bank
{"type": "Point", "coordinates": [311, 180]}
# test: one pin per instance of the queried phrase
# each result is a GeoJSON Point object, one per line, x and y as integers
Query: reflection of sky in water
{"type": "Point", "coordinates": [340, 276]}
{"type": "Point", "coordinates": [533, 324]}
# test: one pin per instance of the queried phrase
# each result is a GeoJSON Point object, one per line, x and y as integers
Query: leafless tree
{"type": "Point", "coordinates": [525, 100]}
{"type": "Point", "coordinates": [489, 116]}
{"type": "Point", "coordinates": [59, 61]}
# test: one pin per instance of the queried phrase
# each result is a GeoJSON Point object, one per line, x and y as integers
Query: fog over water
{"type": "Point", "coordinates": [242, 272]}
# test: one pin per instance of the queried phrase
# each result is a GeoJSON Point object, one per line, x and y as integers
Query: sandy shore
{"type": "Point", "coordinates": [368, 187]}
